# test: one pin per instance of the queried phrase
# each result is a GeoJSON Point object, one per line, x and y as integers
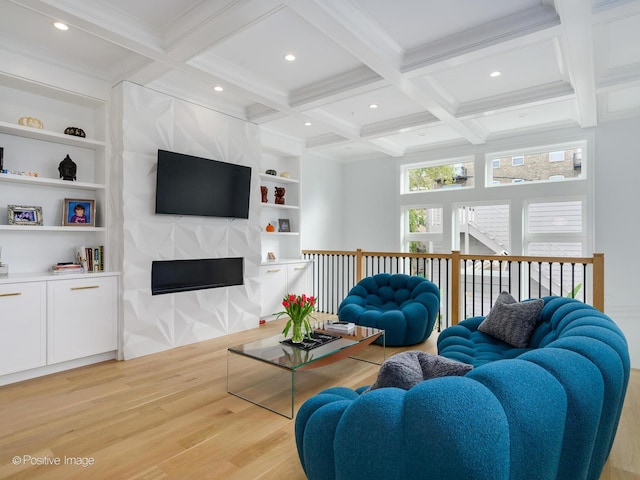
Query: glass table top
{"type": "Point", "coordinates": [271, 350]}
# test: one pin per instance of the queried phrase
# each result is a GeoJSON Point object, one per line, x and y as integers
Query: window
{"type": "Point", "coordinates": [548, 217]}
{"type": "Point", "coordinates": [430, 177]}
{"type": "Point", "coordinates": [483, 229]}
{"type": "Point", "coordinates": [556, 156]}
{"type": "Point", "coordinates": [423, 228]}
{"type": "Point", "coordinates": [536, 165]}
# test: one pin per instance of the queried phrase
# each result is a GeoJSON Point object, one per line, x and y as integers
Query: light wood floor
{"type": "Point", "coordinates": [169, 415]}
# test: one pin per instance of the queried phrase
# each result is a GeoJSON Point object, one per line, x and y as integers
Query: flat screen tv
{"type": "Point", "coordinates": [188, 185]}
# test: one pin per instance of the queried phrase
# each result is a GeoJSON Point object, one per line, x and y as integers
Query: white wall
{"type": "Point", "coordinates": [617, 173]}
{"type": "Point", "coordinates": [370, 211]}
{"type": "Point", "coordinates": [321, 203]}
{"type": "Point", "coordinates": [144, 121]}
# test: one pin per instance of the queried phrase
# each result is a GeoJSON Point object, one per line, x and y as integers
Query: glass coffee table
{"type": "Point", "coordinates": [263, 372]}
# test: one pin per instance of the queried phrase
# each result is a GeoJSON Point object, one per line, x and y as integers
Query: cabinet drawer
{"type": "Point", "coordinates": [82, 318]}
{"type": "Point", "coordinates": [22, 326]}
{"type": "Point", "coordinates": [273, 282]}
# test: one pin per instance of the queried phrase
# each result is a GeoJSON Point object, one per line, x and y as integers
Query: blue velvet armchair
{"type": "Point", "coordinates": [404, 306]}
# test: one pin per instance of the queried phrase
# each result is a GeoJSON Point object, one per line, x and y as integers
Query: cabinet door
{"type": "Point", "coordinates": [22, 326]}
{"type": "Point", "coordinates": [82, 316]}
{"type": "Point", "coordinates": [300, 278]}
{"type": "Point", "coordinates": [273, 280]}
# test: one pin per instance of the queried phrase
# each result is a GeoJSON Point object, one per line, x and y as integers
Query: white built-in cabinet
{"type": "Point", "coordinates": [288, 272]}
{"type": "Point", "coordinates": [280, 278]}
{"type": "Point", "coordinates": [81, 318]}
{"type": "Point", "coordinates": [50, 320]}
{"type": "Point", "coordinates": [23, 326]}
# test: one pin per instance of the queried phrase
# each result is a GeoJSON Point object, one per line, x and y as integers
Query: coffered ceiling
{"type": "Point", "coordinates": [425, 64]}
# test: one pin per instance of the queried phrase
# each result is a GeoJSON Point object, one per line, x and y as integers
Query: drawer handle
{"type": "Point", "coordinates": [275, 270]}
{"type": "Point", "coordinates": [300, 268]}
{"type": "Point", "coordinates": [85, 288]}
{"type": "Point", "coordinates": [14, 294]}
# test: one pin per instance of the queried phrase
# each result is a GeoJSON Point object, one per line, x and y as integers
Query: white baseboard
{"type": "Point", "coordinates": [55, 368]}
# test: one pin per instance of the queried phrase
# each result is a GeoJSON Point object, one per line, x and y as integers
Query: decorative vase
{"type": "Point", "coordinates": [297, 335]}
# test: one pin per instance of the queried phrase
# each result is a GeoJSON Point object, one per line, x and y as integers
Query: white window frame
{"type": "Point", "coordinates": [517, 161]}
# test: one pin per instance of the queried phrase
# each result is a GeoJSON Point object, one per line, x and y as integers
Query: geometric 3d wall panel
{"type": "Point", "coordinates": [142, 122]}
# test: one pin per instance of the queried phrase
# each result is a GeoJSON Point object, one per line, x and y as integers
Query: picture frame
{"type": "Point", "coordinates": [284, 225]}
{"type": "Point", "coordinates": [24, 215]}
{"type": "Point", "coordinates": [78, 212]}
{"type": "Point", "coordinates": [271, 256]}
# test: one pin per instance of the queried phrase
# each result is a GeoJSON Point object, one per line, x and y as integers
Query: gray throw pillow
{"type": "Point", "coordinates": [406, 369]}
{"type": "Point", "coordinates": [512, 322]}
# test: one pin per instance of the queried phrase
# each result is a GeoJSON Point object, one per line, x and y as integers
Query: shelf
{"type": "Point", "coordinates": [50, 182]}
{"type": "Point", "coordinates": [277, 179]}
{"type": "Point", "coordinates": [283, 207]}
{"type": "Point", "coordinates": [48, 136]}
{"type": "Point", "coordinates": [281, 234]}
{"type": "Point", "coordinates": [50, 228]}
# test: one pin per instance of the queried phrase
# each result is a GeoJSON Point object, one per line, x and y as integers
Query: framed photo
{"type": "Point", "coordinates": [24, 215]}
{"type": "Point", "coordinates": [283, 225]}
{"type": "Point", "coordinates": [271, 256]}
{"type": "Point", "coordinates": [79, 213]}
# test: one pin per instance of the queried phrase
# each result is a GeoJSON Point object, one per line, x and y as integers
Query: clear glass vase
{"type": "Point", "coordinates": [297, 334]}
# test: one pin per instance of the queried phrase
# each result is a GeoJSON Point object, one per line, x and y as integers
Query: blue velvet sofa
{"type": "Point", "coordinates": [548, 411]}
{"type": "Point", "coordinates": [404, 306]}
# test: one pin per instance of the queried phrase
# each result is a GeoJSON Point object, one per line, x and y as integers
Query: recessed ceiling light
{"type": "Point", "coordinates": [61, 26]}
{"type": "Point", "coordinates": [495, 74]}
{"type": "Point", "coordinates": [373, 105]}
{"type": "Point", "coordinates": [218, 88]}
{"type": "Point", "coordinates": [290, 57]}
{"type": "Point", "coordinates": [307, 124]}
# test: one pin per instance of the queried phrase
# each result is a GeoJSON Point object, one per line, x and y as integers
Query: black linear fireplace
{"type": "Point", "coordinates": [171, 276]}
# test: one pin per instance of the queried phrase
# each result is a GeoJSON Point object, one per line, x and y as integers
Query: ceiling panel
{"type": "Point", "coordinates": [425, 137]}
{"type": "Point", "coordinates": [356, 109]}
{"type": "Point", "coordinates": [520, 69]}
{"type": "Point", "coordinates": [75, 48]}
{"type": "Point", "coordinates": [548, 114]}
{"type": "Point", "coordinates": [260, 49]}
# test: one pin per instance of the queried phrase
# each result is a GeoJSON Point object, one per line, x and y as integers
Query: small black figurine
{"type": "Point", "coordinates": [67, 169]}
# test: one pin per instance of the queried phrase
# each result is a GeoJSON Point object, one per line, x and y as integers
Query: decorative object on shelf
{"type": "Point", "coordinates": [298, 308]}
{"type": "Point", "coordinates": [280, 191]}
{"type": "Point", "coordinates": [75, 131]}
{"type": "Point", "coordinates": [283, 225]}
{"type": "Point", "coordinates": [285, 175]}
{"type": "Point", "coordinates": [30, 122]}
{"type": "Point", "coordinates": [265, 192]}
{"type": "Point", "coordinates": [24, 215]}
{"type": "Point", "coordinates": [270, 228]}
{"type": "Point", "coordinates": [24, 174]}
{"type": "Point", "coordinates": [271, 172]}
{"type": "Point", "coordinates": [79, 213]}
{"type": "Point", "coordinates": [271, 256]}
{"type": "Point", "coordinates": [67, 168]}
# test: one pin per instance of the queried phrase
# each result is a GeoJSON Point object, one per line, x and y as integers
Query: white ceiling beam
{"type": "Point", "coordinates": [519, 29]}
{"type": "Point", "coordinates": [577, 47]}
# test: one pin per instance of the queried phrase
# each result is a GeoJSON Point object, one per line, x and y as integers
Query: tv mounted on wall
{"type": "Point", "coordinates": [188, 185]}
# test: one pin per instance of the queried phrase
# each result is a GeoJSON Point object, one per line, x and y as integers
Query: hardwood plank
{"type": "Point", "coordinates": [168, 415]}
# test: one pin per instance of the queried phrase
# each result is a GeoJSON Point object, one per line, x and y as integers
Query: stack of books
{"type": "Point", "coordinates": [341, 327]}
{"type": "Point", "coordinates": [91, 258]}
{"type": "Point", "coordinates": [67, 268]}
